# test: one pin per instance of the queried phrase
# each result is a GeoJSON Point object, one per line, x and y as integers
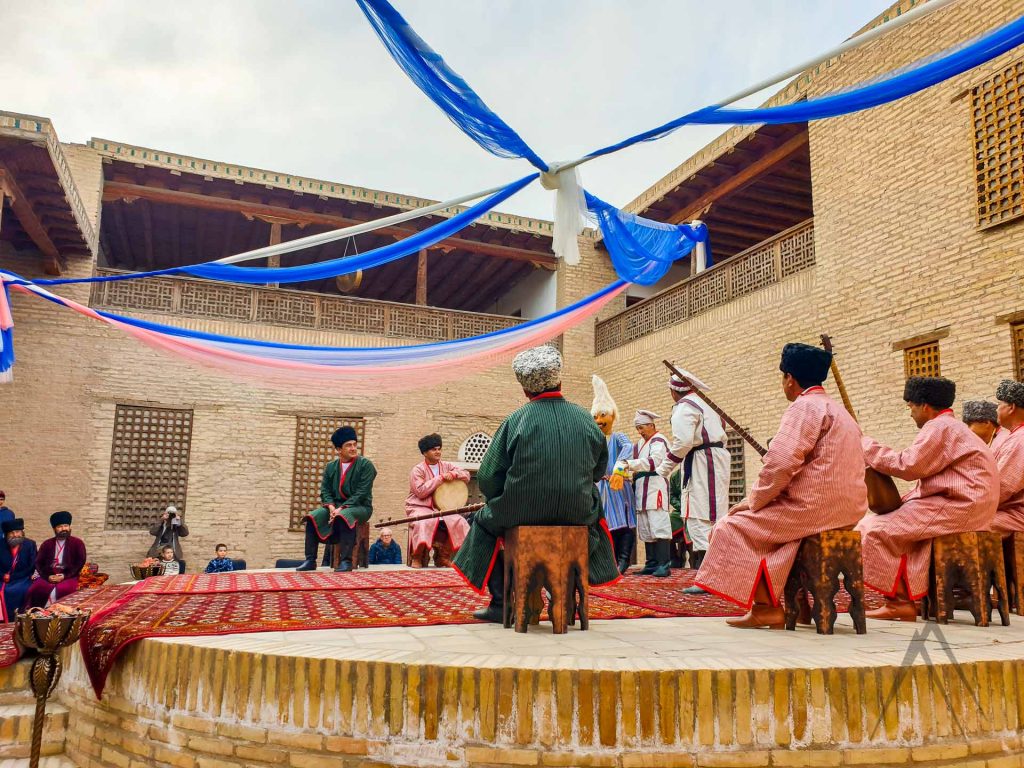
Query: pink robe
{"type": "Point", "coordinates": [998, 439]}
{"type": "Point", "coordinates": [812, 481]}
{"type": "Point", "coordinates": [420, 501]}
{"type": "Point", "coordinates": [1010, 460]}
{"type": "Point", "coordinates": [957, 491]}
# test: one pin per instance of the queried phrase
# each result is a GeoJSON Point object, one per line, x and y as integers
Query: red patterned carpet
{"type": "Point", "coordinates": [193, 605]}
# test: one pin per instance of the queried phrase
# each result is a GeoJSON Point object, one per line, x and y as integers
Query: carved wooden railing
{"type": "Point", "coordinates": [768, 262]}
{"type": "Point", "coordinates": [299, 309]}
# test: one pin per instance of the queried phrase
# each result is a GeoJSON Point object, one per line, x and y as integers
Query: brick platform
{"type": "Point", "coordinates": [646, 692]}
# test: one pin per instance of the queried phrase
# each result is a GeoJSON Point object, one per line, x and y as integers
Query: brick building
{"type": "Point", "coordinates": [898, 231]}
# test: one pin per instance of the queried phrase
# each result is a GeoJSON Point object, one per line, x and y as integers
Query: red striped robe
{"type": "Point", "coordinates": [1010, 460]}
{"type": "Point", "coordinates": [812, 481]}
{"type": "Point", "coordinates": [957, 491]}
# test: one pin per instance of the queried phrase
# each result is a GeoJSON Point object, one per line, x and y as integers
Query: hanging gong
{"type": "Point", "coordinates": [349, 283]}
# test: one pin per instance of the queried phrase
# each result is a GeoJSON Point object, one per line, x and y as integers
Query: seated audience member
{"type": "Point", "coordinates": [1010, 458]}
{"type": "Point", "coordinates": [168, 530]}
{"type": "Point", "coordinates": [6, 513]}
{"type": "Point", "coordinates": [58, 564]}
{"type": "Point", "coordinates": [385, 550]}
{"type": "Point", "coordinates": [981, 417]}
{"type": "Point", "coordinates": [17, 564]}
{"type": "Point", "coordinates": [221, 563]}
{"type": "Point", "coordinates": [171, 566]}
{"type": "Point", "coordinates": [957, 491]}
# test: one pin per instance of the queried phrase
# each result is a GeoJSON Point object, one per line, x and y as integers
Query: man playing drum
{"type": "Point", "coordinates": [444, 535]}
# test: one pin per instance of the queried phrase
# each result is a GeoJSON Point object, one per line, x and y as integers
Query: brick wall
{"type": "Point", "coordinates": [898, 254]}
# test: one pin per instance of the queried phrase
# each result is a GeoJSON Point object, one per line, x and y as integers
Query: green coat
{"type": "Point", "coordinates": [540, 469]}
{"type": "Point", "coordinates": [355, 497]}
{"type": "Point", "coordinates": [675, 515]}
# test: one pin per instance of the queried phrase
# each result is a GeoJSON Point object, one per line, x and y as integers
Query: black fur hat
{"type": "Point", "coordinates": [17, 524]}
{"type": "Point", "coordinates": [60, 518]}
{"type": "Point", "coordinates": [808, 365]}
{"type": "Point", "coordinates": [930, 390]}
{"type": "Point", "coordinates": [429, 441]}
{"type": "Point", "coordinates": [343, 435]}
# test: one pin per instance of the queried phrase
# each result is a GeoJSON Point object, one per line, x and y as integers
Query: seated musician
{"type": "Point", "coordinates": [443, 535]}
{"type": "Point", "coordinates": [540, 469]}
{"type": "Point", "coordinates": [58, 563]}
{"type": "Point", "coordinates": [957, 491]}
{"type": "Point", "coordinates": [346, 492]}
{"type": "Point", "coordinates": [1009, 457]}
{"type": "Point", "coordinates": [17, 566]}
{"type": "Point", "coordinates": [981, 417]}
{"type": "Point", "coordinates": [812, 481]}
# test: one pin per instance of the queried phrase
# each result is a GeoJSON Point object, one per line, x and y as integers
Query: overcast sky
{"type": "Point", "coordinates": [307, 88]}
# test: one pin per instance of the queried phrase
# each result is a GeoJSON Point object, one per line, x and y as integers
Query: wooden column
{"type": "Point", "coordinates": [275, 237]}
{"type": "Point", "coordinates": [421, 278]}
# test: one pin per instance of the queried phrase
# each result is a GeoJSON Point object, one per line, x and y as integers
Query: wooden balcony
{"type": "Point", "coordinates": [768, 262]}
{"type": "Point", "coordinates": [185, 297]}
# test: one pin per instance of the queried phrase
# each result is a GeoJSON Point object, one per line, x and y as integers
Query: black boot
{"type": "Point", "coordinates": [663, 553]}
{"type": "Point", "coordinates": [678, 553]}
{"type": "Point", "coordinates": [652, 559]}
{"type": "Point", "coordinates": [312, 545]}
{"type": "Point", "coordinates": [626, 549]}
{"type": "Point", "coordinates": [698, 558]}
{"type": "Point", "coordinates": [495, 611]}
{"type": "Point", "coordinates": [345, 541]}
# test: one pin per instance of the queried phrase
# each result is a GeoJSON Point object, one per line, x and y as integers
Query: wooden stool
{"type": "Point", "coordinates": [1013, 557]}
{"type": "Point", "coordinates": [360, 550]}
{"type": "Point", "coordinates": [819, 561]}
{"type": "Point", "coordinates": [972, 561]}
{"type": "Point", "coordinates": [555, 557]}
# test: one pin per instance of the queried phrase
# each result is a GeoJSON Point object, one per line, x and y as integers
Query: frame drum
{"type": "Point", "coordinates": [451, 494]}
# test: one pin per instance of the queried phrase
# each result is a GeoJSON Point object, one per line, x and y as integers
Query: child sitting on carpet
{"type": "Point", "coordinates": [170, 565]}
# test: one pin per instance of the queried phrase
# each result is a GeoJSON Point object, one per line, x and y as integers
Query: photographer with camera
{"type": "Point", "coordinates": [167, 530]}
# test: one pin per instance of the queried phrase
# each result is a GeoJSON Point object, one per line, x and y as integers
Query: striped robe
{"type": "Point", "coordinates": [541, 469]}
{"type": "Point", "coordinates": [619, 506]}
{"type": "Point", "coordinates": [1010, 460]}
{"type": "Point", "coordinates": [957, 491]}
{"type": "Point", "coordinates": [353, 493]}
{"type": "Point", "coordinates": [812, 481]}
{"type": "Point", "coordinates": [650, 489]}
{"type": "Point", "coordinates": [423, 481]}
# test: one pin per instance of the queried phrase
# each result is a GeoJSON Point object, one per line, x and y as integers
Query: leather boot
{"type": "Point", "coordinates": [652, 559]}
{"type": "Point", "coordinates": [312, 544]}
{"type": "Point", "coordinates": [443, 553]}
{"type": "Point", "coordinates": [894, 610]}
{"type": "Point", "coordinates": [495, 611]}
{"type": "Point", "coordinates": [626, 550]}
{"type": "Point", "coordinates": [419, 558]}
{"type": "Point", "coordinates": [697, 559]}
{"type": "Point", "coordinates": [663, 553]}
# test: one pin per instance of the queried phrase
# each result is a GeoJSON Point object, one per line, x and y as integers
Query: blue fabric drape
{"type": "Point", "coordinates": [642, 250]}
{"type": "Point", "coordinates": [443, 86]}
{"type": "Point", "coordinates": [896, 85]}
{"type": "Point", "coordinates": [6, 339]}
{"type": "Point", "coordinates": [324, 269]}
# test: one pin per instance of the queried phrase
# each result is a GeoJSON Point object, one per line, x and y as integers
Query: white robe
{"type": "Point", "coordinates": [651, 492]}
{"type": "Point", "coordinates": [705, 498]}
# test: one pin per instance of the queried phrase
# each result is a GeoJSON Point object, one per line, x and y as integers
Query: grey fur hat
{"type": "Point", "coordinates": [979, 410]}
{"type": "Point", "coordinates": [1010, 391]}
{"type": "Point", "coordinates": [538, 369]}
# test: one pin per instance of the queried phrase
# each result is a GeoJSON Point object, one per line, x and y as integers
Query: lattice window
{"type": "Point", "coordinates": [148, 464]}
{"type": "Point", "coordinates": [473, 449]}
{"type": "Point", "coordinates": [418, 323]}
{"type": "Point", "coordinates": [737, 468]}
{"type": "Point", "coordinates": [216, 300]}
{"type": "Point", "coordinates": [286, 308]}
{"type": "Point", "coordinates": [754, 272]}
{"type": "Point", "coordinates": [1017, 329]}
{"type": "Point", "coordinates": [348, 315]}
{"type": "Point", "coordinates": [998, 111]}
{"type": "Point", "coordinates": [155, 295]}
{"type": "Point", "coordinates": [313, 450]}
{"type": "Point", "coordinates": [708, 290]}
{"type": "Point", "coordinates": [922, 360]}
{"type": "Point", "coordinates": [797, 251]}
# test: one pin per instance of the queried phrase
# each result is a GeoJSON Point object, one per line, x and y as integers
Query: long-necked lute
{"type": "Point", "coordinates": [883, 496]}
{"type": "Point", "coordinates": [431, 516]}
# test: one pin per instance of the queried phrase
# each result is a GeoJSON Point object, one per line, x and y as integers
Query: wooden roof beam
{"type": "Point", "coordinates": [745, 178]}
{"type": "Point", "coordinates": [118, 190]}
{"type": "Point", "coordinates": [31, 223]}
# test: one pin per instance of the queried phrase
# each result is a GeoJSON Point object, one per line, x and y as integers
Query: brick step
{"type": "Point", "coordinates": [15, 677]}
{"type": "Point", "coordinates": [51, 761]}
{"type": "Point", "coordinates": [16, 729]}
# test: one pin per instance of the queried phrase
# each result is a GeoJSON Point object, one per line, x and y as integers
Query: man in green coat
{"type": "Point", "coordinates": [540, 469]}
{"type": "Point", "coordinates": [346, 492]}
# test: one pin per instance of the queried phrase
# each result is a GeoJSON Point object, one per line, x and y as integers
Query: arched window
{"type": "Point", "coordinates": [474, 448]}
